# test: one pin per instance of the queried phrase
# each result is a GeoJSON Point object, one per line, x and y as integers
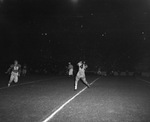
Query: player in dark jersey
{"type": "Point", "coordinates": [15, 72]}
{"type": "Point", "coordinates": [24, 70]}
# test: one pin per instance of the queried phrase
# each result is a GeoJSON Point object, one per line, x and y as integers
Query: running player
{"type": "Point", "coordinates": [15, 72]}
{"type": "Point", "coordinates": [70, 68]}
{"type": "Point", "coordinates": [81, 75]}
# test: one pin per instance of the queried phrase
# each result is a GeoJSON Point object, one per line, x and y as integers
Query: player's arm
{"type": "Point", "coordinates": [85, 66]}
{"type": "Point", "coordinates": [9, 69]}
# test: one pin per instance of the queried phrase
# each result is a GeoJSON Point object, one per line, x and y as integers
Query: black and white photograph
{"type": "Point", "coordinates": [74, 60]}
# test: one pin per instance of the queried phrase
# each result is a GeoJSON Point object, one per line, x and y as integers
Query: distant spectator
{"type": "Point", "coordinates": [70, 68]}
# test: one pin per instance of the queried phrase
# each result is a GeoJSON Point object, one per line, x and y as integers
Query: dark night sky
{"type": "Point", "coordinates": [107, 32]}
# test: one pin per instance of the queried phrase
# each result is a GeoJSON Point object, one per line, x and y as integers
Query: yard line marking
{"type": "Point", "coordinates": [22, 84]}
{"type": "Point", "coordinates": [144, 80]}
{"type": "Point", "coordinates": [94, 81]}
{"type": "Point", "coordinates": [62, 106]}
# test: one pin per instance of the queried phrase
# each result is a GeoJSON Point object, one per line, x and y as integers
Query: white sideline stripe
{"type": "Point", "coordinates": [94, 81]}
{"type": "Point", "coordinates": [144, 80]}
{"type": "Point", "coordinates": [61, 107]}
{"type": "Point", "coordinates": [22, 84]}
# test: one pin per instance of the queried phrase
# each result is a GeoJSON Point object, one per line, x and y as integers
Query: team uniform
{"type": "Point", "coordinates": [70, 67]}
{"type": "Point", "coordinates": [81, 75]}
{"type": "Point", "coordinates": [24, 70]}
{"type": "Point", "coordinates": [15, 72]}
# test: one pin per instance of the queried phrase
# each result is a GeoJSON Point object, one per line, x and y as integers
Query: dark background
{"type": "Point", "coordinates": [112, 34]}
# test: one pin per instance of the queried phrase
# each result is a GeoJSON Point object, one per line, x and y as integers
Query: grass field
{"type": "Point", "coordinates": [52, 98]}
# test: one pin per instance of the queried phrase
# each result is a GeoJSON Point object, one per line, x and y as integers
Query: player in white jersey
{"type": "Point", "coordinates": [15, 72]}
{"type": "Point", "coordinates": [81, 75]}
{"type": "Point", "coordinates": [70, 68]}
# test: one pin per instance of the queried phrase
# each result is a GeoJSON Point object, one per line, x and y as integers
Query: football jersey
{"type": "Point", "coordinates": [15, 68]}
{"type": "Point", "coordinates": [81, 72]}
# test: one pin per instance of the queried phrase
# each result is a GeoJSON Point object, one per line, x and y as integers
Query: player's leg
{"type": "Point", "coordinates": [16, 78]}
{"type": "Point", "coordinates": [11, 79]}
{"type": "Point", "coordinates": [85, 82]}
{"type": "Point", "coordinates": [76, 82]}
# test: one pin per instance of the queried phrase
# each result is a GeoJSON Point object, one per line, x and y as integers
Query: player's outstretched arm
{"type": "Point", "coordinates": [8, 71]}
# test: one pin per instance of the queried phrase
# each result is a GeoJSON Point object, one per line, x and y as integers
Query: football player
{"type": "Point", "coordinates": [81, 75]}
{"type": "Point", "coordinates": [15, 72]}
